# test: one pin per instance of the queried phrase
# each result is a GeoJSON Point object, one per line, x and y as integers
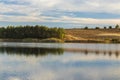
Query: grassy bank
{"type": "Point", "coordinates": [48, 40]}
{"type": "Point", "coordinates": [93, 35]}
{"type": "Point", "coordinates": [55, 40]}
{"type": "Point", "coordinates": [45, 34]}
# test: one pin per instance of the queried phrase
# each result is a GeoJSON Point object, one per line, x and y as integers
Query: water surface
{"type": "Point", "coordinates": [69, 61]}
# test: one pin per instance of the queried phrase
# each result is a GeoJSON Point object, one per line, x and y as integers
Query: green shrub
{"type": "Point", "coordinates": [97, 28]}
{"type": "Point", "coordinates": [117, 26]}
{"type": "Point", "coordinates": [110, 27]}
{"type": "Point", "coordinates": [86, 27]}
{"type": "Point", "coordinates": [105, 27]}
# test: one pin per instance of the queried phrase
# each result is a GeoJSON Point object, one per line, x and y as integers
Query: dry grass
{"type": "Point", "coordinates": [70, 37]}
{"type": "Point", "coordinates": [109, 34]}
{"type": "Point", "coordinates": [52, 40]}
{"type": "Point", "coordinates": [94, 34]}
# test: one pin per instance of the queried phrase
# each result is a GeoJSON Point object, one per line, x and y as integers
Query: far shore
{"type": "Point", "coordinates": [93, 35]}
{"type": "Point", "coordinates": [43, 34]}
{"type": "Point", "coordinates": [54, 40]}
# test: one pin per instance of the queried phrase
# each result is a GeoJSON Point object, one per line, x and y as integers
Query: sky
{"type": "Point", "coordinates": [60, 13]}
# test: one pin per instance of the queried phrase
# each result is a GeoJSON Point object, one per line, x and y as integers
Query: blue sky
{"type": "Point", "coordinates": [60, 13]}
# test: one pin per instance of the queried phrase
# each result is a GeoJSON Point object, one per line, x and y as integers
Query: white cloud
{"type": "Point", "coordinates": [64, 19]}
{"type": "Point", "coordinates": [34, 8]}
{"type": "Point", "coordinates": [14, 78]}
{"type": "Point", "coordinates": [70, 5]}
{"type": "Point", "coordinates": [89, 20]}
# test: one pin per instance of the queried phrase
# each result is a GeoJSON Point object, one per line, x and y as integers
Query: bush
{"type": "Point", "coordinates": [115, 40]}
{"type": "Point", "coordinates": [110, 27]}
{"type": "Point", "coordinates": [105, 27]}
{"type": "Point", "coordinates": [97, 28]}
{"type": "Point", "coordinates": [86, 27]}
{"type": "Point", "coordinates": [117, 26]}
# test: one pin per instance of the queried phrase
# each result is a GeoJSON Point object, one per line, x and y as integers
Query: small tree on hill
{"type": "Point", "coordinates": [97, 28]}
{"type": "Point", "coordinates": [117, 26]}
{"type": "Point", "coordinates": [86, 27]}
{"type": "Point", "coordinates": [110, 27]}
{"type": "Point", "coordinates": [105, 27]}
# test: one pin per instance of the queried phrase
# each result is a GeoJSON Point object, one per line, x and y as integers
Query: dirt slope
{"type": "Point", "coordinates": [99, 34]}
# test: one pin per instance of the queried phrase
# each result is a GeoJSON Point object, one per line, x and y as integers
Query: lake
{"type": "Point", "coordinates": [56, 61]}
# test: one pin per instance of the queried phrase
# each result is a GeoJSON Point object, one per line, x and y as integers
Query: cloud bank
{"type": "Point", "coordinates": [61, 11]}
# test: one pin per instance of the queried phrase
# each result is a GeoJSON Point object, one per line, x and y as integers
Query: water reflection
{"type": "Point", "coordinates": [97, 52]}
{"type": "Point", "coordinates": [31, 51]}
{"type": "Point", "coordinates": [54, 51]}
{"type": "Point", "coordinates": [21, 63]}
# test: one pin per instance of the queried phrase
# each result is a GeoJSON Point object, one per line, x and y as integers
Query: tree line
{"type": "Point", "coordinates": [39, 32]}
{"type": "Point", "coordinates": [109, 27]}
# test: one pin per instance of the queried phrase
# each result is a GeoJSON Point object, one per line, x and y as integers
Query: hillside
{"type": "Point", "coordinates": [94, 34]}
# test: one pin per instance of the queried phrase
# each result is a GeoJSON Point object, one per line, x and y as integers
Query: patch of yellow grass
{"type": "Point", "coordinates": [52, 40]}
{"type": "Point", "coordinates": [70, 37]}
{"type": "Point", "coordinates": [109, 34]}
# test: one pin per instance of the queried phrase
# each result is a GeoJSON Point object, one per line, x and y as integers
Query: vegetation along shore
{"type": "Point", "coordinates": [45, 34]}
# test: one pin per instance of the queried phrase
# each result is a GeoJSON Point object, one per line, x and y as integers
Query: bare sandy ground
{"type": "Point", "coordinates": [109, 34]}
{"type": "Point", "coordinates": [93, 34]}
{"type": "Point", "coordinates": [70, 37]}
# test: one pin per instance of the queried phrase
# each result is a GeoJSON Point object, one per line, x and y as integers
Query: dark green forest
{"type": "Point", "coordinates": [39, 32]}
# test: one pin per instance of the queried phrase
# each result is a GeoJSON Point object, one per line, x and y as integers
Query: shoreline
{"type": "Point", "coordinates": [55, 40]}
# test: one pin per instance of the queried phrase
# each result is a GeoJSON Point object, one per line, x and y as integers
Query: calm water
{"type": "Point", "coordinates": [69, 61]}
